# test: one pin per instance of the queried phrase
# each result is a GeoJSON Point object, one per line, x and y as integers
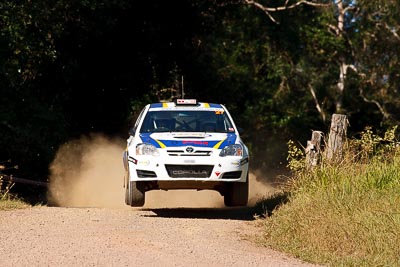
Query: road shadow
{"type": "Point", "coordinates": [241, 213]}
{"type": "Point", "coordinates": [264, 208]}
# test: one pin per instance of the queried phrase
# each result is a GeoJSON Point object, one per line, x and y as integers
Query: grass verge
{"type": "Point", "coordinates": [341, 215]}
{"type": "Point", "coordinates": [11, 204]}
{"type": "Point", "coordinates": [7, 200]}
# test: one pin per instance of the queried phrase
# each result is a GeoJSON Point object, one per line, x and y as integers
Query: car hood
{"type": "Point", "coordinates": [195, 139]}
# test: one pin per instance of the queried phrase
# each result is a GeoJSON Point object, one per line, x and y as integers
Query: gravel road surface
{"type": "Point", "coordinates": [54, 236]}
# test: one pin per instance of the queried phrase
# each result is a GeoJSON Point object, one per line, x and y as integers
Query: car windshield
{"type": "Point", "coordinates": [187, 121]}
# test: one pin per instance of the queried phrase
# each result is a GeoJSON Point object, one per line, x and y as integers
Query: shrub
{"type": "Point", "coordinates": [343, 214]}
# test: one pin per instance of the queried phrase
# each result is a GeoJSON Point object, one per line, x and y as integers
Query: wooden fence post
{"type": "Point", "coordinates": [337, 137]}
{"type": "Point", "coordinates": [313, 149]}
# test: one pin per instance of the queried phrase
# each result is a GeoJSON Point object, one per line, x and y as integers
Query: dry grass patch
{"type": "Point", "coordinates": [11, 204]}
{"type": "Point", "coordinates": [342, 215]}
{"type": "Point", "coordinates": [8, 201]}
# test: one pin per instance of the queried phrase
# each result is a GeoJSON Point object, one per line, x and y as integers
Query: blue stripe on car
{"type": "Point", "coordinates": [215, 105]}
{"type": "Point", "coordinates": [156, 105]}
{"type": "Point", "coordinates": [231, 139]}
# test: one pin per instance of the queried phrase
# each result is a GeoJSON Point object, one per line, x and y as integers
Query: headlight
{"type": "Point", "coordinates": [232, 150]}
{"type": "Point", "coordinates": [147, 149]}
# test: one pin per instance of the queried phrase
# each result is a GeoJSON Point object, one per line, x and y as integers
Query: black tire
{"type": "Point", "coordinates": [135, 194]}
{"type": "Point", "coordinates": [126, 181]}
{"type": "Point", "coordinates": [236, 193]}
{"type": "Point", "coordinates": [127, 201]}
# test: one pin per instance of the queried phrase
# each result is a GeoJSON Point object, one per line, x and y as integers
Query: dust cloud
{"type": "Point", "coordinates": [88, 172]}
{"type": "Point", "coordinates": [260, 185]}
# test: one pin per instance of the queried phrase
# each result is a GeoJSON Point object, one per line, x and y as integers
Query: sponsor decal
{"type": "Point", "coordinates": [134, 161]}
{"type": "Point", "coordinates": [186, 101]}
{"type": "Point", "coordinates": [143, 162]}
{"type": "Point", "coordinates": [204, 143]}
{"type": "Point", "coordinates": [180, 135]}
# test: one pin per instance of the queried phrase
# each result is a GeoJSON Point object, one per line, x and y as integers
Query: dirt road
{"type": "Point", "coordinates": [175, 228]}
{"type": "Point", "coordinates": [54, 236]}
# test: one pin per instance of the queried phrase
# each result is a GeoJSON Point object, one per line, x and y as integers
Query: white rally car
{"type": "Point", "coordinates": [186, 145]}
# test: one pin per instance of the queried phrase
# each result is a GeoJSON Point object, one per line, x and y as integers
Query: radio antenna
{"type": "Point", "coordinates": [183, 89]}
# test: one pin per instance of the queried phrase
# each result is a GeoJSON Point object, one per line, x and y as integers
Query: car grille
{"type": "Point", "coordinates": [184, 153]}
{"type": "Point", "coordinates": [189, 171]}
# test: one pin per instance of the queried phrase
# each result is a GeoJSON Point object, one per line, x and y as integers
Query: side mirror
{"type": "Point", "coordinates": [240, 130]}
{"type": "Point", "coordinates": [132, 131]}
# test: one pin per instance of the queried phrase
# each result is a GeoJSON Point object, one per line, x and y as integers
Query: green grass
{"type": "Point", "coordinates": [341, 215]}
{"type": "Point", "coordinates": [7, 200]}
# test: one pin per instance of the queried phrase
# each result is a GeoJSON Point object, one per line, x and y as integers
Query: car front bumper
{"type": "Point", "coordinates": [212, 168]}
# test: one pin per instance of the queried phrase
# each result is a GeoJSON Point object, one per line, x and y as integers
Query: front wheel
{"type": "Point", "coordinates": [236, 193]}
{"type": "Point", "coordinates": [135, 194]}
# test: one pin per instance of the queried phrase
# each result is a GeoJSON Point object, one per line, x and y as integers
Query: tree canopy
{"type": "Point", "coordinates": [282, 67]}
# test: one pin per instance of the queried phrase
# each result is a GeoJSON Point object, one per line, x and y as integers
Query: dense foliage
{"type": "Point", "coordinates": [73, 67]}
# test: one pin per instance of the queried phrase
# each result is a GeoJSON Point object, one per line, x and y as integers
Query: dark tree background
{"type": "Point", "coordinates": [69, 68]}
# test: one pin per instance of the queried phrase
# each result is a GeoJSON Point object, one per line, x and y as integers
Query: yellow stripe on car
{"type": "Point", "coordinates": [219, 144]}
{"type": "Point", "coordinates": [206, 105]}
{"type": "Point", "coordinates": [164, 105]}
{"type": "Point", "coordinates": [160, 143]}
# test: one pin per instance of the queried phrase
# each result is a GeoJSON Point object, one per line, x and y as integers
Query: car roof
{"type": "Point", "coordinates": [173, 105]}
